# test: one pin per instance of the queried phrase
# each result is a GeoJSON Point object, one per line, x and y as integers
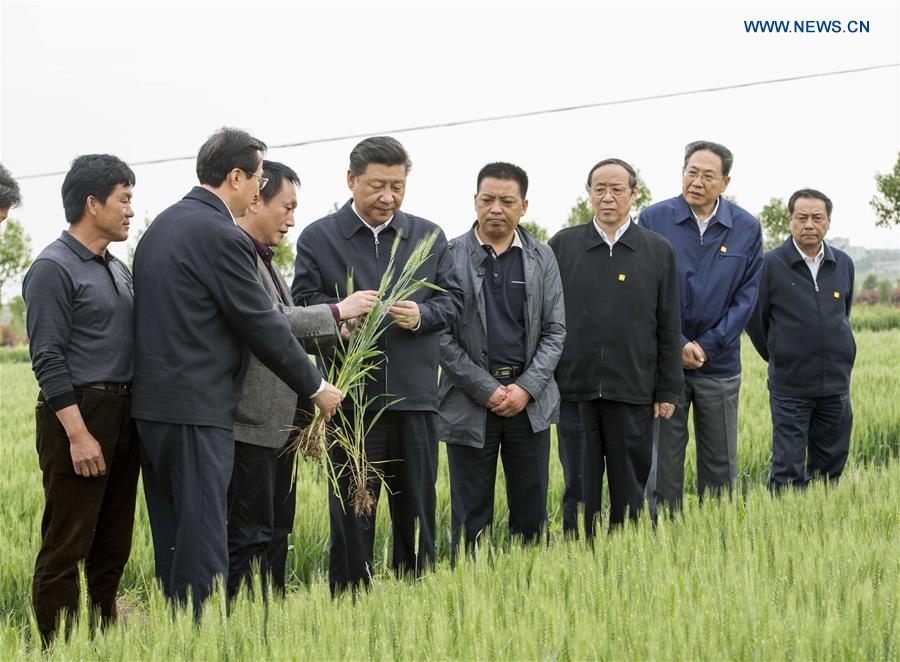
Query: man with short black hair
{"type": "Point", "coordinates": [78, 303]}
{"type": "Point", "coordinates": [9, 193]}
{"type": "Point", "coordinates": [620, 363]}
{"type": "Point", "coordinates": [498, 396]}
{"type": "Point", "coordinates": [261, 497]}
{"type": "Point", "coordinates": [403, 442]}
{"type": "Point", "coordinates": [718, 247]}
{"type": "Point", "coordinates": [198, 304]}
{"type": "Point", "coordinates": [801, 327]}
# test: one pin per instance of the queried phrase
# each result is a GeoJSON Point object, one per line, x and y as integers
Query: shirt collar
{"type": "Point", "coordinates": [230, 213]}
{"type": "Point", "coordinates": [375, 230]}
{"type": "Point", "coordinates": [516, 242]}
{"type": "Point", "coordinates": [81, 250]}
{"type": "Point", "coordinates": [709, 218]}
{"type": "Point", "coordinates": [819, 256]}
{"type": "Point", "coordinates": [619, 232]}
{"type": "Point", "coordinates": [722, 212]}
{"type": "Point", "coordinates": [265, 252]}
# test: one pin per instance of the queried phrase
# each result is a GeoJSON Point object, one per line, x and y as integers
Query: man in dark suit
{"type": "Point", "coordinates": [198, 302]}
{"type": "Point", "coordinates": [403, 442]}
{"type": "Point", "coordinates": [261, 497]}
{"type": "Point", "coordinates": [801, 326]}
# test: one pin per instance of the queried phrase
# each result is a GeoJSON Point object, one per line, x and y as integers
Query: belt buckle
{"type": "Point", "coordinates": [503, 373]}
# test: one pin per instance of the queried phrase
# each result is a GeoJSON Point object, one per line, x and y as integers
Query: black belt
{"type": "Point", "coordinates": [110, 387]}
{"type": "Point", "coordinates": [506, 371]}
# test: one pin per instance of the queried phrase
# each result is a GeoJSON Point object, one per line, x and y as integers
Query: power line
{"type": "Point", "coordinates": [511, 116]}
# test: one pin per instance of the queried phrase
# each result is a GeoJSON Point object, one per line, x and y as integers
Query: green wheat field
{"type": "Point", "coordinates": [805, 576]}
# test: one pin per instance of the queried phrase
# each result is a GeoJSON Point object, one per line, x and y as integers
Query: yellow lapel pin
{"type": "Point", "coordinates": [723, 249]}
{"type": "Point", "coordinates": [621, 276]}
{"type": "Point", "coordinates": [837, 295]}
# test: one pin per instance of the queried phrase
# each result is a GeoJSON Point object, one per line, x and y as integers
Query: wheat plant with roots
{"type": "Point", "coordinates": [354, 362]}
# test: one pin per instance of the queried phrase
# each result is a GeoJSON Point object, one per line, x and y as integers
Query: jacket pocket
{"type": "Point", "coordinates": [544, 410]}
{"type": "Point", "coordinates": [460, 419]}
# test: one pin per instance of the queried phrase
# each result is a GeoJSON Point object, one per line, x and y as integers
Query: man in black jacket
{"type": "Point", "coordinates": [622, 357]}
{"type": "Point", "coordinates": [801, 326]}
{"type": "Point", "coordinates": [403, 442]}
{"type": "Point", "coordinates": [198, 302]}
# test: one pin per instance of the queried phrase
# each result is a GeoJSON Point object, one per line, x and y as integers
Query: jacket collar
{"type": "Point", "coordinates": [684, 213]}
{"type": "Point", "coordinates": [591, 238]}
{"type": "Point", "coordinates": [210, 198]}
{"type": "Point", "coordinates": [794, 257]}
{"type": "Point", "coordinates": [350, 223]}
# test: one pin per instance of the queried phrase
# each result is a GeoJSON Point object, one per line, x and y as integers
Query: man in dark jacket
{"type": "Point", "coordinates": [403, 441]}
{"type": "Point", "coordinates": [718, 247]}
{"type": "Point", "coordinates": [621, 361]}
{"type": "Point", "coordinates": [801, 326]}
{"type": "Point", "coordinates": [198, 302]}
{"type": "Point", "coordinates": [498, 396]}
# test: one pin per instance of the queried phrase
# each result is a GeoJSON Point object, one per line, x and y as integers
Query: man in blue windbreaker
{"type": "Point", "coordinates": [718, 248]}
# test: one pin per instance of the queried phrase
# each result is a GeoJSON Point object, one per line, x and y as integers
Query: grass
{"type": "Point", "coordinates": [805, 576]}
{"type": "Point", "coordinates": [876, 317]}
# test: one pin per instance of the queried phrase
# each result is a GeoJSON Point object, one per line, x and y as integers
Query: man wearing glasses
{"type": "Point", "coordinates": [621, 362]}
{"type": "Point", "coordinates": [198, 303]}
{"type": "Point", "coordinates": [718, 247]}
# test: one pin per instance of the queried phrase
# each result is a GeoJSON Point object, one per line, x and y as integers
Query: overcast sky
{"type": "Point", "coordinates": [153, 80]}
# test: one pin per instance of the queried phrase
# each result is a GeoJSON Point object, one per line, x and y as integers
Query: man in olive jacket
{"type": "Point", "coordinates": [622, 359]}
{"type": "Point", "coordinates": [497, 392]}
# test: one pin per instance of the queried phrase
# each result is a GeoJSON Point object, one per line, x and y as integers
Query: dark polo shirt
{"type": "Point", "coordinates": [79, 312]}
{"type": "Point", "coordinates": [504, 304]}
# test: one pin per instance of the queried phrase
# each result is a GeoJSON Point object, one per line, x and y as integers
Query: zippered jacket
{"type": "Point", "coordinates": [407, 374]}
{"type": "Point", "coordinates": [466, 383]}
{"type": "Point", "coordinates": [801, 326]}
{"type": "Point", "coordinates": [622, 317]}
{"type": "Point", "coordinates": [718, 276]}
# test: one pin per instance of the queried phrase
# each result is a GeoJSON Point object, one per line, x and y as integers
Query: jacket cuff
{"type": "Point", "coordinates": [485, 391]}
{"type": "Point", "coordinates": [61, 401]}
{"type": "Point", "coordinates": [526, 382]}
{"type": "Point", "coordinates": [673, 398]}
{"type": "Point", "coordinates": [709, 345]}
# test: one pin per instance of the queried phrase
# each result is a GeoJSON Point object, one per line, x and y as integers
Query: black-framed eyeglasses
{"type": "Point", "coordinates": [262, 180]}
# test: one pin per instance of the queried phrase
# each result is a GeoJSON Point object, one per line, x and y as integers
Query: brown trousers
{"type": "Point", "coordinates": [89, 519]}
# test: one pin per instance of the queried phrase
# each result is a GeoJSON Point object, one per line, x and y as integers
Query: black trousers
{"type": "Point", "coordinates": [261, 507]}
{"type": "Point", "coordinates": [85, 519]}
{"type": "Point", "coordinates": [619, 435]}
{"type": "Point", "coordinates": [570, 446]}
{"type": "Point", "coordinates": [187, 469]}
{"type": "Point", "coordinates": [473, 474]}
{"type": "Point", "coordinates": [404, 446]}
{"type": "Point", "coordinates": [810, 439]}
